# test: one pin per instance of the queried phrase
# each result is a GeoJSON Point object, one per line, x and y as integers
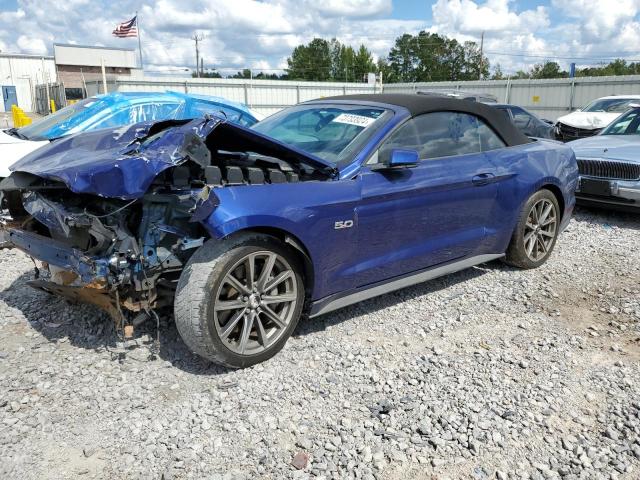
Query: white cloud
{"type": "Point", "coordinates": [354, 8]}
{"type": "Point", "coordinates": [597, 20]}
{"type": "Point", "coordinates": [495, 16]}
{"type": "Point", "coordinates": [262, 33]}
{"type": "Point", "coordinates": [31, 45]}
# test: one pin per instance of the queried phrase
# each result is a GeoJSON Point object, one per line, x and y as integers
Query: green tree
{"type": "Point", "coordinates": [616, 67]}
{"type": "Point", "coordinates": [497, 73]}
{"type": "Point", "coordinates": [207, 74]}
{"type": "Point", "coordinates": [245, 73]}
{"type": "Point", "coordinates": [431, 57]}
{"type": "Point", "coordinates": [310, 62]}
{"type": "Point", "coordinates": [383, 68]}
{"type": "Point", "coordinates": [362, 64]}
{"type": "Point", "coordinates": [521, 74]}
{"type": "Point", "coordinates": [403, 59]}
{"type": "Point", "coordinates": [269, 76]}
{"type": "Point", "coordinates": [548, 69]}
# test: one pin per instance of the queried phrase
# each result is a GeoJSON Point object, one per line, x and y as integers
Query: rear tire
{"type": "Point", "coordinates": [536, 232]}
{"type": "Point", "coordinates": [238, 300]}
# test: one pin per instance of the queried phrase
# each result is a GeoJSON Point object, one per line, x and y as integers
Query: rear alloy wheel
{"type": "Point", "coordinates": [536, 232]}
{"type": "Point", "coordinates": [540, 230]}
{"type": "Point", "coordinates": [239, 300]}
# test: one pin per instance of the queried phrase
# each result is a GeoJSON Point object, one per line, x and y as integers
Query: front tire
{"type": "Point", "coordinates": [238, 300]}
{"type": "Point", "coordinates": [536, 231]}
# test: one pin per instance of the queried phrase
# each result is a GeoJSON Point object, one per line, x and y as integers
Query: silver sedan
{"type": "Point", "coordinates": [609, 164]}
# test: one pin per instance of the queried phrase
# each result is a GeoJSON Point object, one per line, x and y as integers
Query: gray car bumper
{"type": "Point", "coordinates": [619, 193]}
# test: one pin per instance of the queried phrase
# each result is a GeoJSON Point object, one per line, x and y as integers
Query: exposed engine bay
{"type": "Point", "coordinates": [126, 254]}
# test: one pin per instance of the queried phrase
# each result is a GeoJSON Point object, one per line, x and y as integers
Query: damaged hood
{"type": "Point", "coordinates": [610, 147]}
{"type": "Point", "coordinates": [588, 120]}
{"type": "Point", "coordinates": [122, 163]}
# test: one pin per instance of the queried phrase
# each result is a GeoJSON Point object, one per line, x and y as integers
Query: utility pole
{"type": "Point", "coordinates": [481, 59]}
{"type": "Point", "coordinates": [197, 38]}
{"type": "Point", "coordinates": [201, 66]}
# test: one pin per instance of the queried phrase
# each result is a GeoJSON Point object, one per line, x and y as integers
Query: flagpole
{"type": "Point", "coordinates": [139, 41]}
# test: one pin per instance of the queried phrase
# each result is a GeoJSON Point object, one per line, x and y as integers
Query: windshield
{"type": "Point", "coordinates": [626, 124]}
{"type": "Point", "coordinates": [39, 130]}
{"type": "Point", "coordinates": [610, 105]}
{"type": "Point", "coordinates": [332, 132]}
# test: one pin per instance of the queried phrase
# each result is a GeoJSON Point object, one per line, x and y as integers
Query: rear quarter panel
{"type": "Point", "coordinates": [524, 169]}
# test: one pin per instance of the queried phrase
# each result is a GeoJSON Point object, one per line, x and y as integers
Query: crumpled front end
{"type": "Point", "coordinates": [124, 257]}
{"type": "Point", "coordinates": [114, 217]}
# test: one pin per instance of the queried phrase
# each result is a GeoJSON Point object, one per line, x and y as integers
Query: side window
{"type": "Point", "coordinates": [521, 118]}
{"type": "Point", "coordinates": [442, 134]}
{"type": "Point", "coordinates": [406, 137]}
{"type": "Point", "coordinates": [489, 140]}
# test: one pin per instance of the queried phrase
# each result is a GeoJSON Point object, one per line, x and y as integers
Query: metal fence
{"type": "Point", "coordinates": [547, 98]}
{"type": "Point", "coordinates": [264, 96]}
{"type": "Point", "coordinates": [56, 93]}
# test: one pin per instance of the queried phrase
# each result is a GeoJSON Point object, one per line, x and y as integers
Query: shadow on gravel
{"type": "Point", "coordinates": [86, 326]}
{"type": "Point", "coordinates": [390, 299]}
{"type": "Point", "coordinates": [607, 218]}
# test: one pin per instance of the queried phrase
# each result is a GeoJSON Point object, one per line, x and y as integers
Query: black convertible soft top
{"type": "Point", "coordinates": [419, 104]}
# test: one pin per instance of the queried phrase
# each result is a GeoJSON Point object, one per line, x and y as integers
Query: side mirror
{"type": "Point", "coordinates": [398, 158]}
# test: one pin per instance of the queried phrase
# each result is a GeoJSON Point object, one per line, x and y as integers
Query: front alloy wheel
{"type": "Point", "coordinates": [255, 302]}
{"type": "Point", "coordinates": [238, 300]}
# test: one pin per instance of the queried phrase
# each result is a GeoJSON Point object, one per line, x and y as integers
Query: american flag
{"type": "Point", "coordinates": [127, 29]}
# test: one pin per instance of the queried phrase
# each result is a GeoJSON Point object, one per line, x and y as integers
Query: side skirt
{"type": "Point", "coordinates": [335, 302]}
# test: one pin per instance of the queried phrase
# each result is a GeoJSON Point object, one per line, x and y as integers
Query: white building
{"type": "Point", "coordinates": [78, 64]}
{"type": "Point", "coordinates": [19, 74]}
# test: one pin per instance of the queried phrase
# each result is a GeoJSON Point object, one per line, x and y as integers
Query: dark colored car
{"type": "Point", "coordinates": [526, 121]}
{"type": "Point", "coordinates": [317, 207]}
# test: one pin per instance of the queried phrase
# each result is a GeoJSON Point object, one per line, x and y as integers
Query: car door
{"type": "Point", "coordinates": [411, 219]}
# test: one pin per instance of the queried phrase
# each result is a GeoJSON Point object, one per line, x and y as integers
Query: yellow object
{"type": "Point", "coordinates": [536, 99]}
{"type": "Point", "coordinates": [20, 119]}
{"type": "Point", "coordinates": [53, 106]}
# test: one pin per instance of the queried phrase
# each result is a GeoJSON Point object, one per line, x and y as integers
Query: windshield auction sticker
{"type": "Point", "coordinates": [351, 119]}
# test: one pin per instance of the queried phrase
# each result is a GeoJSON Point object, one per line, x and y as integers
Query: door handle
{"type": "Point", "coordinates": [482, 178]}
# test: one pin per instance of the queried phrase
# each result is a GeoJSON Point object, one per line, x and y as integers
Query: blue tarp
{"type": "Point", "coordinates": [117, 109]}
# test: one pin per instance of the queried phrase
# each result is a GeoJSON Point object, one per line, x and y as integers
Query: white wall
{"type": "Point", "coordinates": [92, 56]}
{"type": "Point", "coordinates": [264, 96]}
{"type": "Point", "coordinates": [548, 99]}
{"type": "Point", "coordinates": [25, 72]}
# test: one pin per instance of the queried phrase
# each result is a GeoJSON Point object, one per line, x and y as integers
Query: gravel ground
{"type": "Point", "coordinates": [488, 373]}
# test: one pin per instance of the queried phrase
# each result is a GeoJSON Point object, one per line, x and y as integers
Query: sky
{"type": "Point", "coordinates": [260, 34]}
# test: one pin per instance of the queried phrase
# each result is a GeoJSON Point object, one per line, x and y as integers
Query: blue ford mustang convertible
{"type": "Point", "coordinates": [244, 230]}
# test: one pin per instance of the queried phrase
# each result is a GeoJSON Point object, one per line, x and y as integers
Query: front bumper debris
{"type": "Point", "coordinates": [89, 269]}
{"type": "Point", "coordinates": [91, 294]}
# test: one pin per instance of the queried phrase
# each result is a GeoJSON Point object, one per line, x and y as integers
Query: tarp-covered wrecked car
{"type": "Point", "coordinates": [319, 206]}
